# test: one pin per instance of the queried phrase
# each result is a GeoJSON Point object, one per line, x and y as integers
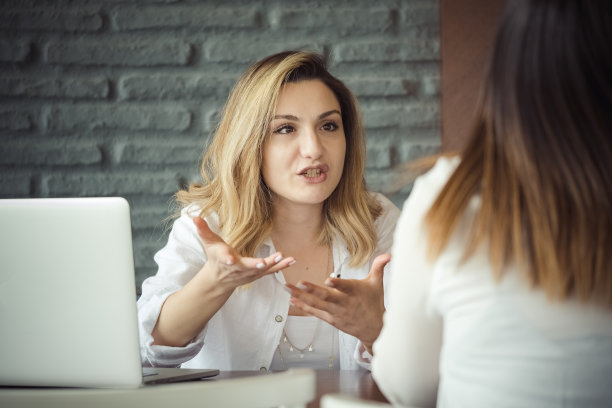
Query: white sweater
{"type": "Point", "coordinates": [451, 330]}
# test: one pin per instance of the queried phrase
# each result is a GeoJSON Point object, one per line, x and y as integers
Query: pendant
{"type": "Point", "coordinates": [290, 348]}
{"type": "Point", "coordinates": [310, 348]}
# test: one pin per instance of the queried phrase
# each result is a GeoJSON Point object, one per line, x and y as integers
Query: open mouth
{"type": "Point", "coordinates": [312, 173]}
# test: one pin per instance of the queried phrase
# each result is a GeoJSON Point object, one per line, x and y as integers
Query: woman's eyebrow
{"type": "Point", "coordinates": [331, 112]}
{"type": "Point", "coordinates": [288, 117]}
{"type": "Point", "coordinates": [295, 118]}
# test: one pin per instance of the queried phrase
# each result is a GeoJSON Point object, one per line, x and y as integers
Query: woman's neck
{"type": "Point", "coordinates": [296, 222]}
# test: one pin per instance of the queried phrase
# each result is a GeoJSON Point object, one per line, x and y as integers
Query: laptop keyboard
{"type": "Point", "coordinates": [149, 371]}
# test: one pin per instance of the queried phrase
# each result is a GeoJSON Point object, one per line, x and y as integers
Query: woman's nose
{"type": "Point", "coordinates": [310, 144]}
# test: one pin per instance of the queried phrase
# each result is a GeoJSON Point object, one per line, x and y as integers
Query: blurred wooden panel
{"type": "Point", "coordinates": [467, 33]}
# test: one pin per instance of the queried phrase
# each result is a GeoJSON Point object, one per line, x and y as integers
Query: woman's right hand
{"type": "Point", "coordinates": [186, 312]}
{"type": "Point", "coordinates": [226, 269]}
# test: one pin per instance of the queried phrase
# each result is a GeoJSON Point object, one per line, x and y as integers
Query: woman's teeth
{"type": "Point", "coordinates": [313, 172]}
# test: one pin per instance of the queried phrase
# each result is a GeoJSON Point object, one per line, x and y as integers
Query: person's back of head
{"type": "Point", "coordinates": [540, 155]}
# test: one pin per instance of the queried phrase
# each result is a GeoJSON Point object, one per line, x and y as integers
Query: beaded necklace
{"type": "Point", "coordinates": [309, 347]}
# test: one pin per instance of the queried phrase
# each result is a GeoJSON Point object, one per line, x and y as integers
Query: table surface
{"type": "Point", "coordinates": [357, 383]}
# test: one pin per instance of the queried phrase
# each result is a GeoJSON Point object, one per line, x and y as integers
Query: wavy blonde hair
{"type": "Point", "coordinates": [540, 154]}
{"type": "Point", "coordinates": [233, 186]}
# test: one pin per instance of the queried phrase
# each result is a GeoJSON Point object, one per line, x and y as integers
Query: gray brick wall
{"type": "Point", "coordinates": [118, 97]}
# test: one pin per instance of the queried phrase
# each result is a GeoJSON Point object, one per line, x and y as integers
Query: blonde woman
{"type": "Point", "coordinates": [513, 306]}
{"type": "Point", "coordinates": [244, 280]}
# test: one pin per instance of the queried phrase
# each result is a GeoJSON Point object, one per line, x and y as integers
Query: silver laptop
{"type": "Point", "coordinates": [67, 296]}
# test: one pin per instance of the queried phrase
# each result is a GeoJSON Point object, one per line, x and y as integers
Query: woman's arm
{"type": "Point", "coordinates": [186, 312]}
{"type": "Point", "coordinates": [407, 352]}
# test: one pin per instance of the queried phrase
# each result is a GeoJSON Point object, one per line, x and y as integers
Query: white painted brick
{"type": "Point", "coordinates": [46, 20]}
{"type": "Point", "coordinates": [14, 185]}
{"type": "Point", "coordinates": [418, 49]}
{"type": "Point", "coordinates": [246, 52]}
{"type": "Point", "coordinates": [119, 52]}
{"type": "Point", "coordinates": [199, 17]}
{"type": "Point", "coordinates": [175, 87]}
{"type": "Point", "coordinates": [390, 86]}
{"type": "Point", "coordinates": [405, 115]}
{"type": "Point", "coordinates": [167, 153]}
{"type": "Point", "coordinates": [14, 51]}
{"type": "Point", "coordinates": [12, 119]}
{"type": "Point", "coordinates": [61, 87]}
{"type": "Point", "coordinates": [118, 116]}
{"type": "Point", "coordinates": [342, 19]}
{"type": "Point", "coordinates": [110, 183]}
{"type": "Point", "coordinates": [49, 154]}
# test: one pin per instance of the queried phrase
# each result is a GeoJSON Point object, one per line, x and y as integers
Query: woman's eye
{"type": "Point", "coordinates": [330, 126]}
{"type": "Point", "coordinates": [284, 129]}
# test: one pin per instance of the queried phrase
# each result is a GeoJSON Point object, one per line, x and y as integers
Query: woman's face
{"type": "Point", "coordinates": [303, 155]}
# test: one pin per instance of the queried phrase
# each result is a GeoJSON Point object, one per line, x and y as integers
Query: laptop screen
{"type": "Point", "coordinates": [67, 293]}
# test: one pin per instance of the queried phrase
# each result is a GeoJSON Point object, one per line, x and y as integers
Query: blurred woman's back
{"type": "Point", "coordinates": [518, 232]}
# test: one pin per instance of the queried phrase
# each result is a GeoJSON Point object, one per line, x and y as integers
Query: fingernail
{"type": "Point", "coordinates": [229, 262]}
{"type": "Point", "coordinates": [278, 258]}
{"type": "Point", "coordinates": [300, 285]}
{"type": "Point", "coordinates": [260, 265]}
{"type": "Point", "coordinates": [292, 262]}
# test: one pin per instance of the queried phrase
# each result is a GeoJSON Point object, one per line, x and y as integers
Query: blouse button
{"type": "Point", "coordinates": [278, 318]}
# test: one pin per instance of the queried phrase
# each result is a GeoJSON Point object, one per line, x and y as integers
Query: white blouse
{"type": "Point", "coordinates": [245, 332]}
{"type": "Point", "coordinates": [307, 342]}
{"type": "Point", "coordinates": [452, 333]}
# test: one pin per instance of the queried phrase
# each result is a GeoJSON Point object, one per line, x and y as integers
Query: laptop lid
{"type": "Point", "coordinates": [67, 294]}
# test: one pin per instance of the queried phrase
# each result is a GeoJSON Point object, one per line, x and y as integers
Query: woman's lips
{"type": "Point", "coordinates": [313, 172]}
{"type": "Point", "coordinates": [314, 175]}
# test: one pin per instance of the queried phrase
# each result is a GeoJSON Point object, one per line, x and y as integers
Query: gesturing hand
{"type": "Point", "coordinates": [355, 306]}
{"type": "Point", "coordinates": [227, 268]}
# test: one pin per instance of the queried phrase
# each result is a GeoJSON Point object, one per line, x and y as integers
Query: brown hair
{"type": "Point", "coordinates": [234, 188]}
{"type": "Point", "coordinates": [540, 154]}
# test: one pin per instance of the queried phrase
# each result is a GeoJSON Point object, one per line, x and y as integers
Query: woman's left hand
{"type": "Point", "coordinates": [355, 306]}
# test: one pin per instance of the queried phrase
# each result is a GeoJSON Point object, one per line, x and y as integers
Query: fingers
{"type": "Point", "coordinates": [315, 297]}
{"type": "Point", "coordinates": [205, 232]}
{"type": "Point", "coordinates": [380, 262]}
{"type": "Point", "coordinates": [352, 286]}
{"type": "Point", "coordinates": [343, 285]}
{"type": "Point", "coordinates": [226, 255]}
{"type": "Point", "coordinates": [378, 267]}
{"type": "Point", "coordinates": [313, 311]}
{"type": "Point", "coordinates": [271, 264]}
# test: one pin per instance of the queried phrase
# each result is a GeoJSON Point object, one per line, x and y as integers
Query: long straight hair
{"type": "Point", "coordinates": [233, 186]}
{"type": "Point", "coordinates": [540, 154]}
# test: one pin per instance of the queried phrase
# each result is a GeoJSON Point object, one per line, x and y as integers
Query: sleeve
{"type": "Point", "coordinates": [407, 353]}
{"type": "Point", "coordinates": [385, 226]}
{"type": "Point", "coordinates": [178, 262]}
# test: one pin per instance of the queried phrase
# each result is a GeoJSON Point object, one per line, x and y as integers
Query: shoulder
{"type": "Point", "coordinates": [439, 174]}
{"type": "Point", "coordinates": [427, 186]}
{"type": "Point", "coordinates": [385, 203]}
{"type": "Point", "coordinates": [389, 212]}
